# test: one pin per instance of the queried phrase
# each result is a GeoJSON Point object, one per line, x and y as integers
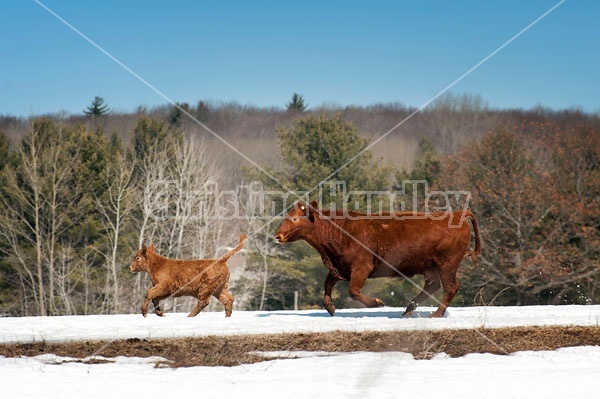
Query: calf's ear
{"type": "Point", "coordinates": [151, 248]}
{"type": "Point", "coordinates": [144, 248]}
{"type": "Point", "coordinates": [313, 210]}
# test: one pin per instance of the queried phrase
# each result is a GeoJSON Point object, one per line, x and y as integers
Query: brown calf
{"type": "Point", "coordinates": [199, 278]}
{"type": "Point", "coordinates": [355, 246]}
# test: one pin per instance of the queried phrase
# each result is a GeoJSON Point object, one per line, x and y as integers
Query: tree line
{"type": "Point", "coordinates": [80, 194]}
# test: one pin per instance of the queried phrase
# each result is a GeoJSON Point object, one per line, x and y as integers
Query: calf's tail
{"type": "Point", "coordinates": [235, 250]}
{"type": "Point", "coordinates": [477, 250]}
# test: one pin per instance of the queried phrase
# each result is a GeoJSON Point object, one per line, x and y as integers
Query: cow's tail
{"type": "Point", "coordinates": [477, 250]}
{"type": "Point", "coordinates": [235, 250]}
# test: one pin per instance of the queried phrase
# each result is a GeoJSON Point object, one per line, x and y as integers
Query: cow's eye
{"type": "Point", "coordinates": [138, 258]}
{"type": "Point", "coordinates": [294, 219]}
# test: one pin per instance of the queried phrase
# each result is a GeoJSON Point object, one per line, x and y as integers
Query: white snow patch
{"type": "Point", "coordinates": [567, 372]}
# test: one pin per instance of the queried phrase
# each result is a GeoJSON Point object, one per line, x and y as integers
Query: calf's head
{"type": "Point", "coordinates": [298, 222]}
{"type": "Point", "coordinates": [140, 262]}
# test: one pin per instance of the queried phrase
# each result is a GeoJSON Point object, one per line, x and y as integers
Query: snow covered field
{"type": "Point", "coordinates": [572, 372]}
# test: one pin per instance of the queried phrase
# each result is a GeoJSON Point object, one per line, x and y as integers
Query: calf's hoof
{"type": "Point", "coordinates": [378, 303]}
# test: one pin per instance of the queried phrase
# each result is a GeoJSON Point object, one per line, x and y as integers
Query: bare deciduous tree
{"type": "Point", "coordinates": [40, 206]}
{"type": "Point", "coordinates": [114, 207]}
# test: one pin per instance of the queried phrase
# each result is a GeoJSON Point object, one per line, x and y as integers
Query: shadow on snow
{"type": "Point", "coordinates": [351, 313]}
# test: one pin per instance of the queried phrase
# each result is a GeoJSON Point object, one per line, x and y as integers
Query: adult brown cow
{"type": "Point", "coordinates": [356, 246]}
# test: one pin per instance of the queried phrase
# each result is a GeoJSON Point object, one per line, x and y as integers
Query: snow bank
{"type": "Point", "coordinates": [567, 372]}
{"type": "Point", "coordinates": [109, 327]}
{"type": "Point", "coordinates": [571, 372]}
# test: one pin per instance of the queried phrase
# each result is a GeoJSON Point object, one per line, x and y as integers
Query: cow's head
{"type": "Point", "coordinates": [298, 222]}
{"type": "Point", "coordinates": [141, 262]}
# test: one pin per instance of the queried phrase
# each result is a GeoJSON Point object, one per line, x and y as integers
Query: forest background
{"type": "Point", "coordinates": [81, 193]}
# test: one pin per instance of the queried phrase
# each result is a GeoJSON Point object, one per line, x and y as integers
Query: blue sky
{"type": "Point", "coordinates": [331, 52]}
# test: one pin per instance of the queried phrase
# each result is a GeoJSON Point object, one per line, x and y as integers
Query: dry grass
{"type": "Point", "coordinates": [236, 350]}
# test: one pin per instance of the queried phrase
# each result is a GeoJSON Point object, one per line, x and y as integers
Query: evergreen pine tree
{"type": "Point", "coordinates": [97, 108]}
{"type": "Point", "coordinates": [297, 103]}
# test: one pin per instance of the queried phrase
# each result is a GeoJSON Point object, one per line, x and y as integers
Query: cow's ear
{"type": "Point", "coordinates": [313, 211]}
{"type": "Point", "coordinates": [151, 248]}
{"type": "Point", "coordinates": [144, 248]}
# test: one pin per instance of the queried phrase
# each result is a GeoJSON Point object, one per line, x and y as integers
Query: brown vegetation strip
{"type": "Point", "coordinates": [235, 350]}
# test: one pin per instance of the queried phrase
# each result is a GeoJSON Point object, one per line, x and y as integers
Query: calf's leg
{"type": "Point", "coordinates": [330, 282]}
{"type": "Point", "coordinates": [157, 308]}
{"type": "Point", "coordinates": [203, 300]}
{"type": "Point", "coordinates": [357, 280]}
{"type": "Point", "coordinates": [155, 294]}
{"type": "Point", "coordinates": [226, 298]}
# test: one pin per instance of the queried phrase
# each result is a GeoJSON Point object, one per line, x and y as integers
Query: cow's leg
{"type": "Point", "coordinates": [432, 284]}
{"type": "Point", "coordinates": [203, 301]}
{"type": "Point", "coordinates": [357, 280]}
{"type": "Point", "coordinates": [330, 282]}
{"type": "Point", "coordinates": [450, 284]}
{"type": "Point", "coordinates": [226, 298]}
{"type": "Point", "coordinates": [157, 293]}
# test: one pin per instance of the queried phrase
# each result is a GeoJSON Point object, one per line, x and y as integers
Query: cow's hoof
{"type": "Point", "coordinates": [328, 304]}
{"type": "Point", "coordinates": [409, 309]}
{"type": "Point", "coordinates": [378, 303]}
{"type": "Point", "coordinates": [330, 310]}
